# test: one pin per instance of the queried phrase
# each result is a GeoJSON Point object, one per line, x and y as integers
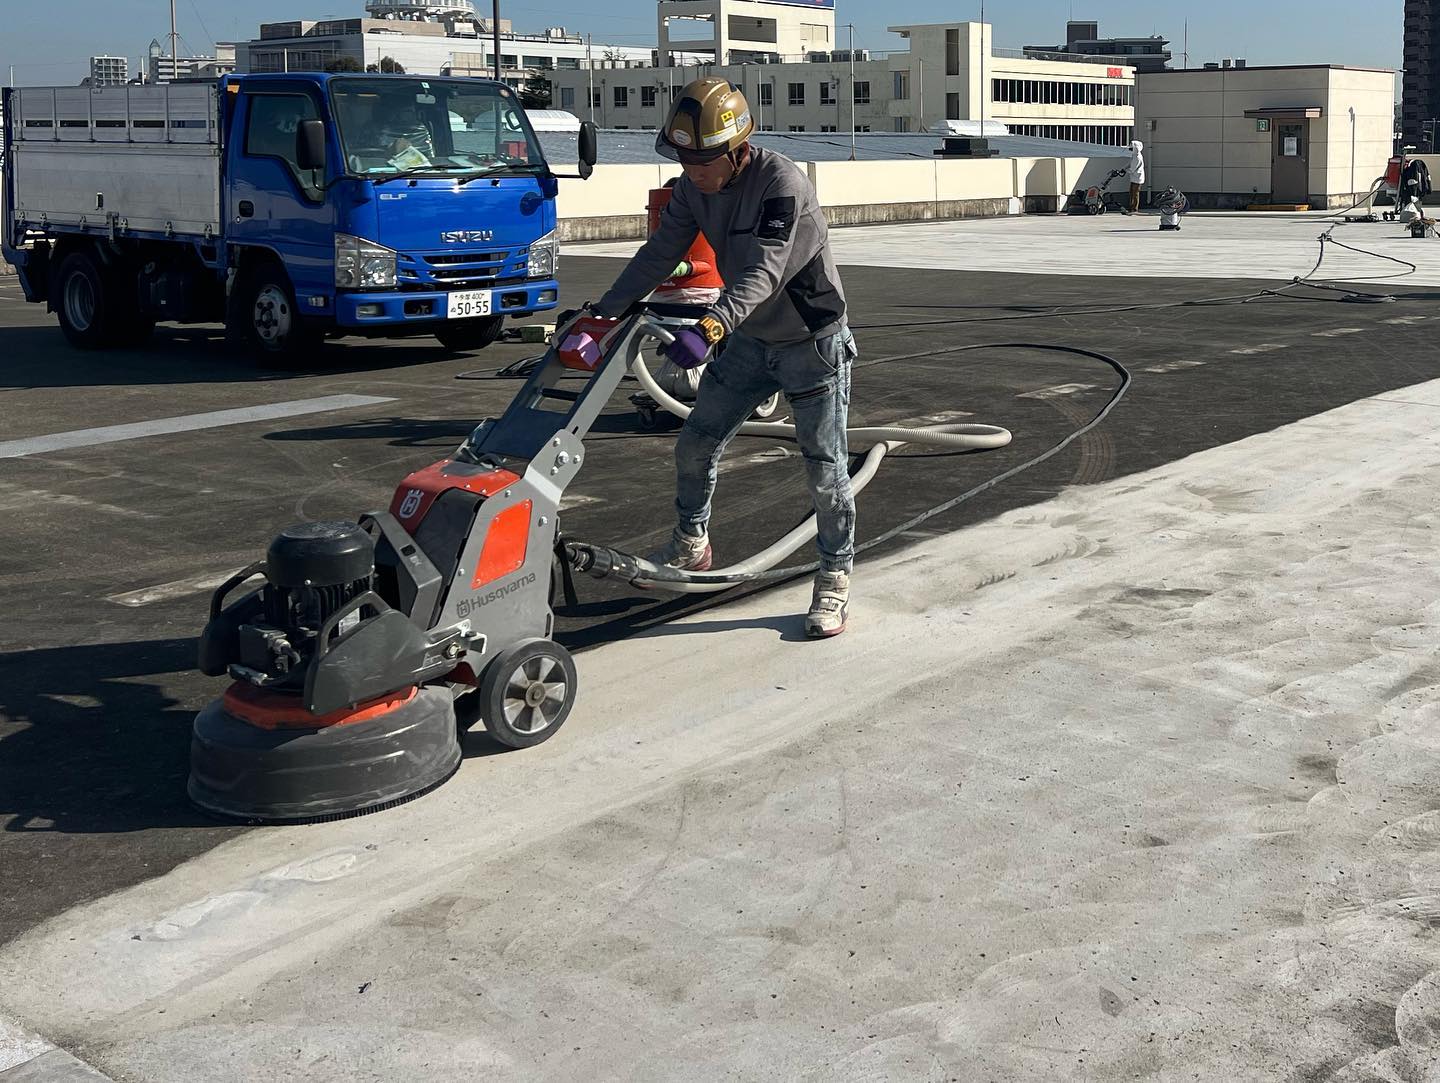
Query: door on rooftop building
{"type": "Point", "coordinates": [1290, 162]}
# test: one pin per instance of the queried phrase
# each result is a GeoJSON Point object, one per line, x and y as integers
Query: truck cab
{"type": "Point", "coordinates": [312, 203]}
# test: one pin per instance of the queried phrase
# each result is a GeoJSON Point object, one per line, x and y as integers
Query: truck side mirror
{"type": "Point", "coordinates": [310, 144]}
{"type": "Point", "coordinates": [587, 148]}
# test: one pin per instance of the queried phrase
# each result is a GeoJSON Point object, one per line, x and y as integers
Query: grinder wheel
{"type": "Point", "coordinates": [526, 693]}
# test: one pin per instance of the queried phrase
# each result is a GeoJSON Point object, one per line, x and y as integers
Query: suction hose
{"type": "Point", "coordinates": [603, 562]}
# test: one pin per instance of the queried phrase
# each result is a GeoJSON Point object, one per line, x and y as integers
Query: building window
{"type": "Point", "coordinates": [827, 127]}
{"type": "Point", "coordinates": [797, 127]}
{"type": "Point", "coordinates": [902, 124]}
{"type": "Point", "coordinates": [767, 94]}
{"type": "Point", "coordinates": [568, 63]}
{"type": "Point", "coordinates": [1052, 92]}
{"type": "Point", "coordinates": [622, 97]}
{"type": "Point", "coordinates": [862, 127]}
{"type": "Point", "coordinates": [797, 93]}
{"type": "Point", "coordinates": [567, 97]}
{"type": "Point", "coordinates": [952, 51]}
{"type": "Point", "coordinates": [827, 93]}
{"type": "Point", "coordinates": [767, 127]}
{"type": "Point", "coordinates": [544, 63]}
{"type": "Point", "coordinates": [509, 60]}
{"type": "Point", "coordinates": [647, 97]}
{"type": "Point", "coordinates": [594, 99]}
{"type": "Point", "coordinates": [901, 90]}
{"type": "Point", "coordinates": [862, 92]}
{"type": "Point", "coordinates": [952, 106]}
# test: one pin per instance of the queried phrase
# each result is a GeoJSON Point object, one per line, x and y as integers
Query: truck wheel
{"type": "Point", "coordinates": [473, 334]}
{"type": "Point", "coordinates": [263, 321]}
{"type": "Point", "coordinates": [91, 306]}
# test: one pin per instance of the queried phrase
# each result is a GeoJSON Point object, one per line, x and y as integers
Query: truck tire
{"type": "Point", "coordinates": [263, 322]}
{"type": "Point", "coordinates": [92, 305]}
{"type": "Point", "coordinates": [472, 334]}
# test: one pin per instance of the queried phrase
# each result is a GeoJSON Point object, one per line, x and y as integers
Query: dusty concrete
{"type": "Point", "coordinates": [1137, 781]}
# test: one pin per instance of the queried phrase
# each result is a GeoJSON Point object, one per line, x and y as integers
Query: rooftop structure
{"type": "Point", "coordinates": [1082, 39]}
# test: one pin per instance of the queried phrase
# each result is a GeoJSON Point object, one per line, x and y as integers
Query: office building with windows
{"type": "Point", "coordinates": [109, 70]}
{"type": "Point", "coordinates": [1420, 96]}
{"type": "Point", "coordinates": [443, 37]}
{"type": "Point", "coordinates": [950, 76]}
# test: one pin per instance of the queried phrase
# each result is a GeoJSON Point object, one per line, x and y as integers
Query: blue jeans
{"type": "Point", "coordinates": [815, 377]}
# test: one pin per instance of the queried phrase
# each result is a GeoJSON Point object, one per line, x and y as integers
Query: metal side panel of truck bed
{"type": "Point", "coordinates": [133, 159]}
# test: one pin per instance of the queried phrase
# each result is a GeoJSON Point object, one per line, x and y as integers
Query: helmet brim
{"type": "Point", "coordinates": [684, 155]}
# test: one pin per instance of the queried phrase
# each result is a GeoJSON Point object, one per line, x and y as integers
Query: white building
{"type": "Point", "coordinates": [949, 73]}
{"type": "Point", "coordinates": [1315, 134]}
{"type": "Point", "coordinates": [425, 38]}
{"type": "Point", "coordinates": [109, 70]}
{"type": "Point", "coordinates": [164, 68]}
{"type": "Point", "coordinates": [742, 31]}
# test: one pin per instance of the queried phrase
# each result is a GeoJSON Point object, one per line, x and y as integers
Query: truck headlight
{"type": "Point", "coordinates": [362, 264]}
{"type": "Point", "coordinates": [544, 257]}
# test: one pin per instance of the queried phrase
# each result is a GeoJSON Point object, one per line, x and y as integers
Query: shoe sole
{"type": "Point", "coordinates": [821, 633]}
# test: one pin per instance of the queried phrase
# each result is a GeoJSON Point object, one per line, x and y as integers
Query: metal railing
{"type": "Point", "coordinates": [1061, 56]}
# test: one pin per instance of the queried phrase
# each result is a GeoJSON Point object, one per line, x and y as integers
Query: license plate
{"type": "Point", "coordinates": [465, 303]}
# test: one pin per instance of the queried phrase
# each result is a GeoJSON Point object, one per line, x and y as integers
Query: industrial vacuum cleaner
{"type": "Point", "coordinates": [349, 644]}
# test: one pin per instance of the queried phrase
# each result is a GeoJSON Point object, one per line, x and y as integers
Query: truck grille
{"type": "Point", "coordinates": [460, 270]}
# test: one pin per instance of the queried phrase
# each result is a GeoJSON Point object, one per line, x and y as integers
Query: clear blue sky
{"type": "Point", "coordinates": [49, 43]}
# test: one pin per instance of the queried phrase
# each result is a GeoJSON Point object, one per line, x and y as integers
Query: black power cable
{"type": "Point", "coordinates": [605, 562]}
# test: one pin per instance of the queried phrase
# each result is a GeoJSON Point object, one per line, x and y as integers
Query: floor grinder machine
{"type": "Point", "coordinates": [355, 641]}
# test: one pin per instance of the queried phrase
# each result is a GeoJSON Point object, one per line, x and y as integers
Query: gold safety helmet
{"type": "Point", "coordinates": [708, 119]}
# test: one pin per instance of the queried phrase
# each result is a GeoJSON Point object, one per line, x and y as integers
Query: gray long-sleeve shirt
{"type": "Point", "coordinates": [771, 248]}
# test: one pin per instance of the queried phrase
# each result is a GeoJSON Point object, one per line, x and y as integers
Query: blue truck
{"type": "Point", "coordinates": [289, 207]}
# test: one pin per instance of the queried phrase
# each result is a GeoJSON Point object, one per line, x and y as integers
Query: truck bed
{"type": "Point", "coordinates": [129, 159]}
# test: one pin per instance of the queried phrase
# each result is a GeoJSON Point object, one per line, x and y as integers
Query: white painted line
{"type": "Point", "coordinates": [1056, 391]}
{"type": "Point", "coordinates": [1264, 347]}
{"type": "Point", "coordinates": [109, 434]}
{"type": "Point", "coordinates": [178, 588]}
{"type": "Point", "coordinates": [1336, 332]}
{"type": "Point", "coordinates": [1172, 366]}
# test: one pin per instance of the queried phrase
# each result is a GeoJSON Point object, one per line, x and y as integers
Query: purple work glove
{"type": "Point", "coordinates": [688, 350]}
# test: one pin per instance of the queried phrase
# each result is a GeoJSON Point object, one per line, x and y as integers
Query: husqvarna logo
{"type": "Point", "coordinates": [467, 236]}
{"type": "Point", "coordinates": [411, 504]}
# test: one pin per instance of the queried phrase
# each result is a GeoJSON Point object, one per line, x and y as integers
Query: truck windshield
{"type": "Point", "coordinates": [424, 126]}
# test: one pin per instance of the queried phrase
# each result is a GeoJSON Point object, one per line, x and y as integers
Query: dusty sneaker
{"type": "Point", "coordinates": [685, 552]}
{"type": "Point", "coordinates": [829, 606]}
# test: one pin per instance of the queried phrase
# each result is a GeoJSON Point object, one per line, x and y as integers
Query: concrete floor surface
{"type": "Point", "coordinates": [1137, 782]}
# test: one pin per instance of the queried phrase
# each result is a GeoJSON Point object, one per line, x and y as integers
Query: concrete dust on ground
{"type": "Point", "coordinates": [1138, 781]}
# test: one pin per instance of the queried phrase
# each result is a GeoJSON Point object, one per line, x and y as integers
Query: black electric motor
{"type": "Point", "coordinates": [313, 571]}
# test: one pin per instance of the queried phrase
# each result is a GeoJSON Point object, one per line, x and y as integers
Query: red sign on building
{"type": "Point", "coordinates": [1115, 73]}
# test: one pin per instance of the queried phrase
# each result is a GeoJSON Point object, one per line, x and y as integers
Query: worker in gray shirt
{"type": "Point", "coordinates": [778, 325]}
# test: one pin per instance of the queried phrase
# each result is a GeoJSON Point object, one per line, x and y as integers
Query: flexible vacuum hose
{"type": "Point", "coordinates": [603, 562]}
